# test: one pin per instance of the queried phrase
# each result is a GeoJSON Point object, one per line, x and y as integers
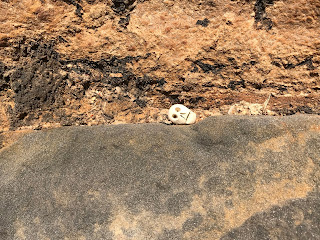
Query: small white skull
{"type": "Point", "coordinates": [179, 114]}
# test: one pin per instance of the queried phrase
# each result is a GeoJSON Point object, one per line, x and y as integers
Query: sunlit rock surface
{"type": "Point", "coordinates": [228, 177]}
{"type": "Point", "coordinates": [90, 62]}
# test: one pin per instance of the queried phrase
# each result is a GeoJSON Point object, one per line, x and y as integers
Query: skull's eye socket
{"type": "Point", "coordinates": [175, 116]}
{"type": "Point", "coordinates": [178, 109]}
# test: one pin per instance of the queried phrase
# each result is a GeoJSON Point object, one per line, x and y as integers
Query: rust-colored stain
{"type": "Point", "coordinates": [7, 138]}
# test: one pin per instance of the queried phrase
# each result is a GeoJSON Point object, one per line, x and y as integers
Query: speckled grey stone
{"type": "Point", "coordinates": [226, 177]}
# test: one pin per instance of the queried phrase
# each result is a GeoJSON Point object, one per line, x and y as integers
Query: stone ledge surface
{"type": "Point", "coordinates": [229, 177]}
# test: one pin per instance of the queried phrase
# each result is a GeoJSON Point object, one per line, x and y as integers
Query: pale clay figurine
{"type": "Point", "coordinates": [179, 114]}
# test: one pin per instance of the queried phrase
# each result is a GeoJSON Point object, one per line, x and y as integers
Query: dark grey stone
{"type": "Point", "coordinates": [154, 181]}
{"type": "Point", "coordinates": [298, 219]}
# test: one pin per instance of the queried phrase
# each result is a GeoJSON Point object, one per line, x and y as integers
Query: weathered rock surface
{"type": "Point", "coordinates": [228, 177]}
{"type": "Point", "coordinates": [89, 62]}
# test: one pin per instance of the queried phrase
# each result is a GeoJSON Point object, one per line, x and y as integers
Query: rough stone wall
{"type": "Point", "coordinates": [88, 62]}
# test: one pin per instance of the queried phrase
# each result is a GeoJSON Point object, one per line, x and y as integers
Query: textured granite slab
{"type": "Point", "coordinates": [228, 177]}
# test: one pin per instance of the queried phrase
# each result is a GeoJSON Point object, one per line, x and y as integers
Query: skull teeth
{"type": "Point", "coordinates": [183, 115]}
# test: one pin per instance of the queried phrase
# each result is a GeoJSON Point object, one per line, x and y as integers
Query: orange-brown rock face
{"type": "Point", "coordinates": [70, 62]}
